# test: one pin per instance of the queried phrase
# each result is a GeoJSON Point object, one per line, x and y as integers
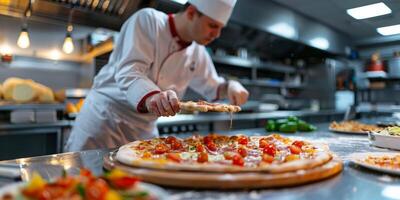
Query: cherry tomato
{"type": "Point", "coordinates": [161, 148]}
{"type": "Point", "coordinates": [211, 146]}
{"type": "Point", "coordinates": [228, 155]}
{"type": "Point", "coordinates": [270, 149]}
{"type": "Point", "coordinates": [207, 139]}
{"type": "Point", "coordinates": [174, 157]}
{"type": "Point", "coordinates": [170, 139]}
{"type": "Point", "coordinates": [298, 143]}
{"type": "Point", "coordinates": [238, 160]}
{"type": "Point", "coordinates": [295, 149]}
{"type": "Point", "coordinates": [175, 145]}
{"type": "Point", "coordinates": [242, 151]}
{"type": "Point", "coordinates": [199, 148]}
{"type": "Point", "coordinates": [263, 142]}
{"type": "Point", "coordinates": [267, 158]}
{"type": "Point", "coordinates": [124, 182]}
{"type": "Point", "coordinates": [243, 140]}
{"type": "Point", "coordinates": [202, 157]}
{"type": "Point", "coordinates": [96, 189]}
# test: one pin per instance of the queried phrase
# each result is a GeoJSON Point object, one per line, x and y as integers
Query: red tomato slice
{"type": "Point", "coordinates": [202, 157]}
{"type": "Point", "coordinates": [270, 149]}
{"type": "Point", "coordinates": [174, 157]}
{"type": "Point", "coordinates": [295, 149]}
{"type": "Point", "coordinates": [238, 160]}
{"type": "Point", "coordinates": [243, 140]}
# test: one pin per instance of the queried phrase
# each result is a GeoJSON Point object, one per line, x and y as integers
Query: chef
{"type": "Point", "coordinates": [155, 59]}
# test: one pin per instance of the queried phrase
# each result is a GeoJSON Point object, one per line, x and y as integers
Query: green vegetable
{"type": "Point", "coordinates": [293, 119]}
{"type": "Point", "coordinates": [270, 126]}
{"type": "Point", "coordinates": [289, 127]}
{"type": "Point", "coordinates": [303, 126]}
{"type": "Point", "coordinates": [81, 190]}
{"type": "Point", "coordinates": [280, 122]}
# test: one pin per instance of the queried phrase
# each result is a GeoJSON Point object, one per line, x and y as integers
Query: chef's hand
{"type": "Point", "coordinates": [237, 94]}
{"type": "Point", "coordinates": [165, 103]}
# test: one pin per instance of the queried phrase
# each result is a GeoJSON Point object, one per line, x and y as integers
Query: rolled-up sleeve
{"type": "Point", "coordinates": [135, 51]}
{"type": "Point", "coordinates": [206, 80]}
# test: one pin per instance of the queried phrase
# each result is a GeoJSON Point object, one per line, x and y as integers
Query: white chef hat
{"type": "Point", "coordinates": [219, 10]}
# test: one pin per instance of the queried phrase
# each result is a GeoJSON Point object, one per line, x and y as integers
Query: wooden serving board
{"type": "Point", "coordinates": [204, 180]}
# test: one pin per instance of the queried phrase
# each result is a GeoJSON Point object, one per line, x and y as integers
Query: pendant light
{"type": "Point", "coordinates": [68, 45]}
{"type": "Point", "coordinates": [23, 38]}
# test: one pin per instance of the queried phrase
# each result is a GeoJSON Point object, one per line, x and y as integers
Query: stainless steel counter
{"type": "Point", "coordinates": [353, 183]}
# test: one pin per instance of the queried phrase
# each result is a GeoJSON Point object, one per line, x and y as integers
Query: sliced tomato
{"type": "Point", "coordinates": [207, 139]}
{"type": "Point", "coordinates": [228, 155]}
{"type": "Point", "coordinates": [199, 148]}
{"type": "Point", "coordinates": [170, 139]}
{"type": "Point", "coordinates": [86, 173]}
{"type": "Point", "coordinates": [124, 182]}
{"type": "Point", "coordinates": [294, 149]}
{"type": "Point", "coordinates": [96, 189]}
{"type": "Point", "coordinates": [238, 160]}
{"type": "Point", "coordinates": [243, 140]}
{"type": "Point", "coordinates": [66, 182]}
{"type": "Point", "coordinates": [298, 143]}
{"type": "Point", "coordinates": [263, 142]}
{"type": "Point", "coordinates": [211, 146]}
{"type": "Point", "coordinates": [176, 145]}
{"type": "Point", "coordinates": [270, 149]}
{"type": "Point", "coordinates": [242, 151]}
{"type": "Point", "coordinates": [202, 157]}
{"type": "Point", "coordinates": [174, 157]}
{"type": "Point", "coordinates": [267, 158]}
{"type": "Point", "coordinates": [161, 149]}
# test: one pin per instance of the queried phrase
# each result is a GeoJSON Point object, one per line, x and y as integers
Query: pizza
{"type": "Point", "coordinates": [386, 161]}
{"type": "Point", "coordinates": [220, 153]}
{"type": "Point", "coordinates": [113, 185]}
{"type": "Point", "coordinates": [204, 106]}
{"type": "Point", "coordinates": [353, 126]}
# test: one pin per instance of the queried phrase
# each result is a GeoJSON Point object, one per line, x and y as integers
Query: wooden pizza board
{"type": "Point", "coordinates": [204, 180]}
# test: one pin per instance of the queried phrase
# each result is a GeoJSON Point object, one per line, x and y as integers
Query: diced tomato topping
{"type": "Point", "coordinates": [96, 189]}
{"type": "Point", "coordinates": [161, 148]}
{"type": "Point", "coordinates": [170, 139]}
{"type": "Point", "coordinates": [238, 160]}
{"type": "Point", "coordinates": [243, 140]}
{"type": "Point", "coordinates": [228, 155]}
{"type": "Point", "coordinates": [242, 151]}
{"type": "Point", "coordinates": [270, 149]}
{"type": "Point", "coordinates": [176, 145]}
{"type": "Point", "coordinates": [298, 143]}
{"type": "Point", "coordinates": [211, 146]}
{"type": "Point", "coordinates": [199, 147]}
{"type": "Point", "coordinates": [202, 157]}
{"type": "Point", "coordinates": [207, 139]}
{"type": "Point", "coordinates": [263, 142]}
{"type": "Point", "coordinates": [146, 155]}
{"type": "Point", "coordinates": [267, 158]}
{"type": "Point", "coordinates": [124, 182]}
{"type": "Point", "coordinates": [65, 182]}
{"type": "Point", "coordinates": [294, 149]}
{"type": "Point", "coordinates": [174, 157]}
{"type": "Point", "coordinates": [86, 173]}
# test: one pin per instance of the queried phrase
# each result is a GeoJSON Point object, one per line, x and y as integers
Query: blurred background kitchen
{"type": "Point", "coordinates": [319, 60]}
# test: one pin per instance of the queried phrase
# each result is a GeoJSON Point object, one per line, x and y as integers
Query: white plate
{"type": "Point", "coordinates": [154, 190]}
{"type": "Point", "coordinates": [358, 158]}
{"type": "Point", "coordinates": [385, 141]}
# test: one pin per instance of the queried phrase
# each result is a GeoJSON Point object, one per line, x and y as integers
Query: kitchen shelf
{"type": "Point", "coordinates": [6, 106]}
{"type": "Point", "coordinates": [388, 79]}
{"type": "Point", "coordinates": [271, 85]}
{"type": "Point", "coordinates": [246, 63]}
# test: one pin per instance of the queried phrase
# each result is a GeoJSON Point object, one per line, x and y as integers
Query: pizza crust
{"type": "Point", "coordinates": [128, 156]}
{"type": "Point", "coordinates": [203, 106]}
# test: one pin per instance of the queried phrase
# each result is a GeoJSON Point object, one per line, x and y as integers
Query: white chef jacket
{"type": "Point", "coordinates": [148, 57]}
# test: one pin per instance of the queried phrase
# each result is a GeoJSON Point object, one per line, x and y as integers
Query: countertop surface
{"type": "Point", "coordinates": [354, 182]}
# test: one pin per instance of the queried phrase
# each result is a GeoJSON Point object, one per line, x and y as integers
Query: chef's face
{"type": "Point", "coordinates": [203, 29]}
